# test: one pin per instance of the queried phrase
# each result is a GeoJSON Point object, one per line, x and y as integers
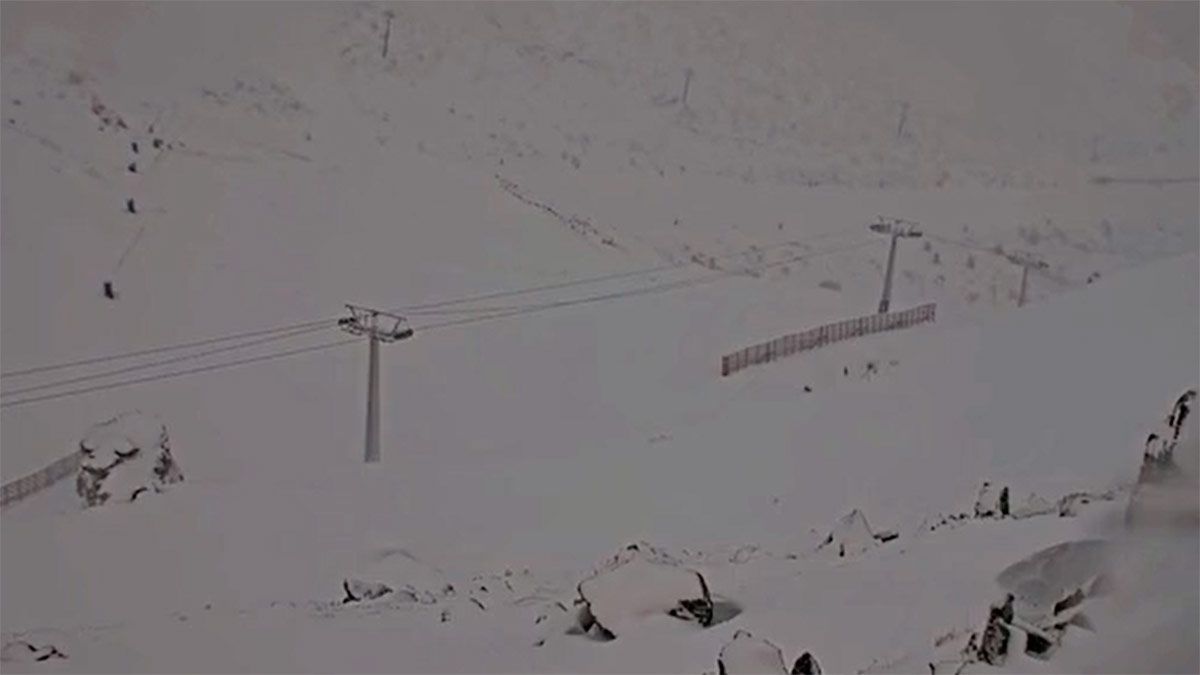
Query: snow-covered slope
{"type": "Point", "coordinates": [767, 469]}
{"type": "Point", "coordinates": [501, 147]}
{"type": "Point", "coordinates": [297, 171]}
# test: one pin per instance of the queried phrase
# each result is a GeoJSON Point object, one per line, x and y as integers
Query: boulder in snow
{"type": "Point", "coordinates": [992, 501]}
{"type": "Point", "coordinates": [638, 585]}
{"type": "Point", "coordinates": [992, 647]}
{"type": "Point", "coordinates": [124, 458]}
{"type": "Point", "coordinates": [389, 570]}
{"type": "Point", "coordinates": [35, 646]}
{"type": "Point", "coordinates": [1167, 492]}
{"type": "Point", "coordinates": [806, 665]}
{"type": "Point", "coordinates": [1048, 591]}
{"type": "Point", "coordinates": [1042, 579]}
{"type": "Point", "coordinates": [1181, 412]}
{"type": "Point", "coordinates": [850, 536]}
{"type": "Point", "coordinates": [1033, 505]}
{"type": "Point", "coordinates": [358, 590]}
{"type": "Point", "coordinates": [884, 536]}
{"type": "Point", "coordinates": [748, 655]}
{"type": "Point", "coordinates": [21, 651]}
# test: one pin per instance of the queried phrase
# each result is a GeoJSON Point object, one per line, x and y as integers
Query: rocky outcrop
{"type": "Point", "coordinates": [850, 536]}
{"type": "Point", "coordinates": [638, 585]}
{"type": "Point", "coordinates": [992, 501]}
{"type": "Point", "coordinates": [394, 572]}
{"type": "Point", "coordinates": [806, 665]}
{"type": "Point", "coordinates": [125, 458]}
{"type": "Point", "coordinates": [21, 651]}
{"type": "Point", "coordinates": [748, 655]}
{"type": "Point", "coordinates": [992, 646]}
{"type": "Point", "coordinates": [1167, 492]}
{"type": "Point", "coordinates": [1045, 594]}
{"type": "Point", "coordinates": [745, 654]}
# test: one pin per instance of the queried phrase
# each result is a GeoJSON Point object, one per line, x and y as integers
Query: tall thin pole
{"type": "Point", "coordinates": [886, 301]}
{"type": "Point", "coordinates": [372, 450]}
{"type": "Point", "coordinates": [1026, 261]}
{"type": "Point", "coordinates": [366, 321]}
{"type": "Point", "coordinates": [895, 228]}
{"type": "Point", "coordinates": [387, 35]}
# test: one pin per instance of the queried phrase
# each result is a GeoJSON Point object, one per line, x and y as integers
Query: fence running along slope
{"type": "Point", "coordinates": [730, 363]}
{"type": "Point", "coordinates": [823, 335]}
{"type": "Point", "coordinates": [39, 480]}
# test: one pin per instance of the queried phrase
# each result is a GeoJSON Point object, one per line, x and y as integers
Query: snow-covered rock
{"type": "Point", "coordinates": [1167, 491]}
{"type": "Point", "coordinates": [1182, 413]}
{"type": "Point", "coordinates": [992, 501]}
{"type": "Point", "coordinates": [20, 651]}
{"type": "Point", "coordinates": [1042, 579]}
{"type": "Point", "coordinates": [125, 457]}
{"type": "Point", "coordinates": [850, 536]}
{"type": "Point", "coordinates": [638, 585]}
{"type": "Point", "coordinates": [35, 646]}
{"type": "Point", "coordinates": [993, 643]}
{"type": "Point", "coordinates": [358, 590]}
{"type": "Point", "coordinates": [745, 654]}
{"type": "Point", "coordinates": [1033, 505]}
{"type": "Point", "coordinates": [1047, 590]}
{"type": "Point", "coordinates": [748, 655]}
{"type": "Point", "coordinates": [389, 570]}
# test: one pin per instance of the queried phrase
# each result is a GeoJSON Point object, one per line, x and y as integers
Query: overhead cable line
{"type": "Point", "coordinates": [157, 364]}
{"type": "Point", "coordinates": [178, 373]}
{"type": "Point", "coordinates": [165, 348]}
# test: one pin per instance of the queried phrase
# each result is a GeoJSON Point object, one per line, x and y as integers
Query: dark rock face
{"type": "Point", "coordinates": [1165, 488]}
{"type": "Point", "coordinates": [699, 610]}
{"type": "Point", "coordinates": [359, 591]}
{"type": "Point", "coordinates": [806, 665]}
{"type": "Point", "coordinates": [1037, 646]}
{"type": "Point", "coordinates": [992, 501]}
{"type": "Point", "coordinates": [1072, 600]}
{"type": "Point", "coordinates": [993, 645]}
{"type": "Point", "coordinates": [21, 651]}
{"type": "Point", "coordinates": [1180, 412]}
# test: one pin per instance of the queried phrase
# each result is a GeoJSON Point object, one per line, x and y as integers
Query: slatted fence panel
{"type": "Point", "coordinates": [37, 481]}
{"type": "Point", "coordinates": [820, 336]}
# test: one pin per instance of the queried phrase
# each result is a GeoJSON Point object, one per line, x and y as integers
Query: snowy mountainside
{"type": "Point", "coordinates": [297, 171]}
{"type": "Point", "coordinates": [284, 165]}
{"type": "Point", "coordinates": [768, 473]}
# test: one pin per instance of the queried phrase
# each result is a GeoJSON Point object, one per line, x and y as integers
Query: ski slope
{"type": "Point", "coordinates": [510, 148]}
{"type": "Point", "coordinates": [770, 468]}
